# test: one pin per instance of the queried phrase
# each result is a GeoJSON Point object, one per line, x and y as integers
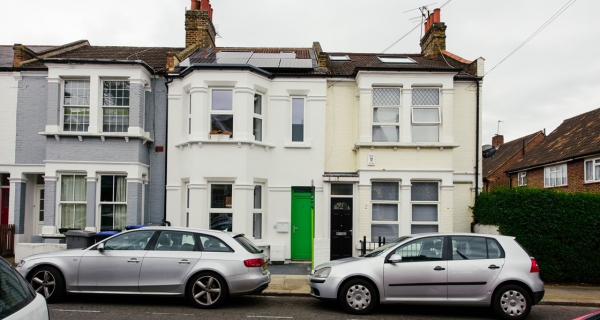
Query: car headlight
{"type": "Point", "coordinates": [322, 273]}
{"type": "Point", "coordinates": [21, 263]}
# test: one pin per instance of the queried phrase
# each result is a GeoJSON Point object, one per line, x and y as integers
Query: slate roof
{"type": "Point", "coordinates": [575, 137]}
{"type": "Point", "coordinates": [505, 152]}
{"type": "Point", "coordinates": [6, 56]}
{"type": "Point", "coordinates": [155, 57]}
{"type": "Point", "coordinates": [370, 61]}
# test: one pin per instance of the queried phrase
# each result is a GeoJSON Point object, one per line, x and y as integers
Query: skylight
{"type": "Point", "coordinates": [396, 59]}
{"type": "Point", "coordinates": [339, 57]}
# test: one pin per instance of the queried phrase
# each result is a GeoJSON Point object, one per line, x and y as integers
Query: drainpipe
{"type": "Point", "coordinates": [169, 80]}
{"type": "Point", "coordinates": [476, 152]}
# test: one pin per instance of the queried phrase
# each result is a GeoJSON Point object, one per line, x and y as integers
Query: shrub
{"type": "Point", "coordinates": [561, 230]}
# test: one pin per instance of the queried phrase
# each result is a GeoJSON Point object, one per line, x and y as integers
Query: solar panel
{"type": "Point", "coordinates": [229, 60]}
{"type": "Point", "coordinates": [234, 54]}
{"type": "Point", "coordinates": [296, 63]}
{"type": "Point", "coordinates": [288, 55]}
{"type": "Point", "coordinates": [264, 63]}
{"type": "Point", "coordinates": [266, 56]}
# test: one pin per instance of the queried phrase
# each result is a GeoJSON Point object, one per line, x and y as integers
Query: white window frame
{"type": "Point", "coordinates": [397, 107]}
{"type": "Point", "coordinates": [99, 196]}
{"type": "Point", "coordinates": [212, 112]}
{"type": "Point", "coordinates": [550, 175]}
{"type": "Point", "coordinates": [61, 202]}
{"type": "Point", "coordinates": [292, 119]}
{"type": "Point", "coordinates": [63, 105]}
{"type": "Point", "coordinates": [522, 178]}
{"type": "Point", "coordinates": [259, 210]}
{"type": "Point", "coordinates": [396, 59]}
{"type": "Point", "coordinates": [438, 123]}
{"type": "Point", "coordinates": [259, 116]}
{"type": "Point", "coordinates": [211, 210]}
{"type": "Point", "coordinates": [103, 106]}
{"type": "Point", "coordinates": [396, 202]}
{"type": "Point", "coordinates": [595, 164]}
{"type": "Point", "coordinates": [339, 57]}
{"type": "Point", "coordinates": [187, 204]}
{"type": "Point", "coordinates": [419, 202]}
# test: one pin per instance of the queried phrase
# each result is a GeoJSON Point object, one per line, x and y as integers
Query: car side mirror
{"type": "Point", "coordinates": [395, 258]}
{"type": "Point", "coordinates": [101, 247]}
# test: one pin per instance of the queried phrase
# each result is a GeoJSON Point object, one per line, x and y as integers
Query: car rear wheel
{"type": "Point", "coordinates": [358, 297]}
{"type": "Point", "coordinates": [207, 290]}
{"type": "Point", "coordinates": [511, 302]}
{"type": "Point", "coordinates": [49, 282]}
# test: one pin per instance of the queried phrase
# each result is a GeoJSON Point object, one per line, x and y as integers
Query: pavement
{"type": "Point", "coordinates": [285, 280]}
{"type": "Point", "coordinates": [292, 280]}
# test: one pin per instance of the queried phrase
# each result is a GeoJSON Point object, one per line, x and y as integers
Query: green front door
{"type": "Point", "coordinates": [301, 223]}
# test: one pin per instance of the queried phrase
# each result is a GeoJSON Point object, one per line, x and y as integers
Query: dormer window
{"type": "Point", "coordinates": [339, 57]}
{"type": "Point", "coordinates": [396, 59]}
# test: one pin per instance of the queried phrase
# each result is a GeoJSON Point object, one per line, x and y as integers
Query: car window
{"type": "Point", "coordinates": [473, 248]}
{"type": "Point", "coordinates": [384, 248]}
{"type": "Point", "coordinates": [247, 244]}
{"type": "Point", "coordinates": [136, 240]}
{"type": "Point", "coordinates": [176, 241]}
{"type": "Point", "coordinates": [424, 249]}
{"type": "Point", "coordinates": [212, 244]}
{"type": "Point", "coordinates": [15, 293]}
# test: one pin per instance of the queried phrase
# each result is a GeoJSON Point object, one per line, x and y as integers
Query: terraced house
{"type": "Point", "coordinates": [304, 151]}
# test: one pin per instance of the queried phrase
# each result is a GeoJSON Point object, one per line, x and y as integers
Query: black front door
{"type": "Point", "coordinates": [341, 228]}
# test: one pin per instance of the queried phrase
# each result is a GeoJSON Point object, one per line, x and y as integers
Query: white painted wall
{"type": "Point", "coordinates": [277, 163]}
{"type": "Point", "coordinates": [9, 82]}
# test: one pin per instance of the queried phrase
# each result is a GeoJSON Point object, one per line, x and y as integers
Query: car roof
{"type": "Point", "coordinates": [465, 234]}
{"type": "Point", "coordinates": [206, 231]}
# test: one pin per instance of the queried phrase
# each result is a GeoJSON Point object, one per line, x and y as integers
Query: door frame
{"type": "Point", "coordinates": [37, 224]}
{"type": "Point", "coordinates": [331, 203]}
{"type": "Point", "coordinates": [302, 195]}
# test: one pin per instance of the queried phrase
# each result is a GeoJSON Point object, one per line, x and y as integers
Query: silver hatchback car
{"type": "Point", "coordinates": [441, 269]}
{"type": "Point", "coordinates": [206, 266]}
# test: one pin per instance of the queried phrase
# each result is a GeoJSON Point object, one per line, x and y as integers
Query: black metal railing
{"type": "Point", "coordinates": [370, 245]}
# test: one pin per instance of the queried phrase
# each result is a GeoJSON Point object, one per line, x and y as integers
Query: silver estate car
{"type": "Point", "coordinates": [435, 269]}
{"type": "Point", "coordinates": [206, 266]}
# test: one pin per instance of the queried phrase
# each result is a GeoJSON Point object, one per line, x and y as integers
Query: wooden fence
{"type": "Point", "coordinates": [7, 240]}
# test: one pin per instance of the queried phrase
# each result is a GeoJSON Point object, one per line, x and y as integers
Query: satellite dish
{"type": "Point", "coordinates": [488, 150]}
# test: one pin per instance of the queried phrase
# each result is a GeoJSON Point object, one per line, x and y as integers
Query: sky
{"type": "Point", "coordinates": [554, 76]}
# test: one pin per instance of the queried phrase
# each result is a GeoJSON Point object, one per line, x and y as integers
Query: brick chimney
{"type": "Point", "coordinates": [497, 140]}
{"type": "Point", "coordinates": [199, 29]}
{"type": "Point", "coordinates": [434, 40]}
{"type": "Point", "coordinates": [21, 54]}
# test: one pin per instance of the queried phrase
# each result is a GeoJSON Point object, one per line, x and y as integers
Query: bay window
{"type": "Point", "coordinates": [76, 105]}
{"type": "Point", "coordinates": [221, 212]}
{"type": "Point", "coordinates": [115, 106]}
{"type": "Point", "coordinates": [257, 213]}
{"type": "Point", "coordinates": [257, 120]}
{"type": "Point", "coordinates": [221, 111]}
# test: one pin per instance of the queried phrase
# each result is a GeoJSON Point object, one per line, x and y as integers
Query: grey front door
{"type": "Point", "coordinates": [117, 268]}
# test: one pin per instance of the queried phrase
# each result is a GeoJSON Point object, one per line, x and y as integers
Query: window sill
{"type": "Point", "coordinates": [590, 182]}
{"type": "Point", "coordinates": [300, 145]}
{"type": "Point", "coordinates": [225, 140]}
{"type": "Point", "coordinates": [405, 145]}
{"type": "Point", "coordinates": [145, 137]}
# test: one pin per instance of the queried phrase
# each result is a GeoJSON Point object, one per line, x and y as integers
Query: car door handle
{"type": "Point", "coordinates": [184, 261]}
{"type": "Point", "coordinates": [133, 260]}
{"type": "Point", "coordinates": [493, 266]}
{"type": "Point", "coordinates": [438, 268]}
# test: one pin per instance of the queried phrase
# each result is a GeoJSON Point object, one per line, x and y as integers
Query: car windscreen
{"type": "Point", "coordinates": [15, 292]}
{"type": "Point", "coordinates": [385, 247]}
{"type": "Point", "coordinates": [247, 244]}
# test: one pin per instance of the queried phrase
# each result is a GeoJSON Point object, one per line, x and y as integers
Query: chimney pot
{"type": "Point", "coordinates": [436, 15]}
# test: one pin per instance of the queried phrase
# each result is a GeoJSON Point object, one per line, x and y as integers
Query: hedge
{"type": "Point", "coordinates": [561, 230]}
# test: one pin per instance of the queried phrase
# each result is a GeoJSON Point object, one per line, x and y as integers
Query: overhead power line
{"type": "Point", "coordinates": [404, 36]}
{"type": "Point", "coordinates": [552, 18]}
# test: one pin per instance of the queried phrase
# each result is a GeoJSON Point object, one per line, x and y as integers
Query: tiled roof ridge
{"type": "Point", "coordinates": [528, 138]}
{"type": "Point", "coordinates": [57, 50]}
{"type": "Point", "coordinates": [456, 57]}
{"type": "Point", "coordinates": [270, 48]}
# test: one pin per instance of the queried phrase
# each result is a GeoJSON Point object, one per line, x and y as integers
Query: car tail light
{"type": "Point", "coordinates": [534, 266]}
{"type": "Point", "coordinates": [254, 263]}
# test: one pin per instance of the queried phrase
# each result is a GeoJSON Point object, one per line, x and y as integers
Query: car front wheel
{"type": "Point", "coordinates": [207, 290]}
{"type": "Point", "coordinates": [49, 282]}
{"type": "Point", "coordinates": [358, 297]}
{"type": "Point", "coordinates": [511, 302]}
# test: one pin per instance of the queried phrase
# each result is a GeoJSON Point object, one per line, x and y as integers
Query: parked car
{"type": "Point", "coordinates": [206, 266]}
{"type": "Point", "coordinates": [18, 300]}
{"type": "Point", "coordinates": [591, 316]}
{"type": "Point", "coordinates": [435, 269]}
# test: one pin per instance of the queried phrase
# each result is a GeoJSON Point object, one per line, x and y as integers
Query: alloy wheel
{"type": "Point", "coordinates": [44, 283]}
{"type": "Point", "coordinates": [206, 290]}
{"type": "Point", "coordinates": [358, 297]}
{"type": "Point", "coordinates": [513, 303]}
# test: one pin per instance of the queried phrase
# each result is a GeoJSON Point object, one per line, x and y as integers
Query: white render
{"type": "Point", "coordinates": [9, 82]}
{"type": "Point", "coordinates": [196, 160]}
